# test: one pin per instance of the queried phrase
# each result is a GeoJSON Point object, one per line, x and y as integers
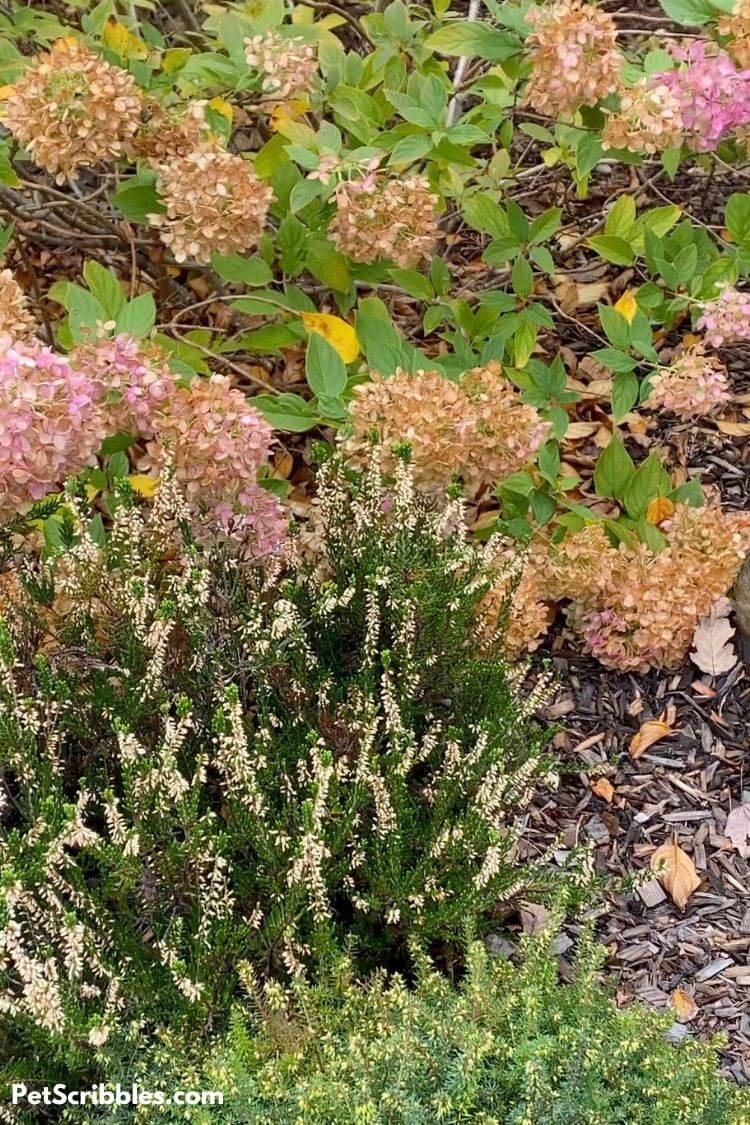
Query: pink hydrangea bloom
{"type": "Point", "coordinates": [51, 423]}
{"type": "Point", "coordinates": [216, 442]}
{"type": "Point", "coordinates": [712, 92]}
{"type": "Point", "coordinates": [135, 381]}
{"type": "Point", "coordinates": [694, 385]}
{"type": "Point", "coordinates": [727, 319]}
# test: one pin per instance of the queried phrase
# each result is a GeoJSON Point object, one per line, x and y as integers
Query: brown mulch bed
{"type": "Point", "coordinates": [683, 789]}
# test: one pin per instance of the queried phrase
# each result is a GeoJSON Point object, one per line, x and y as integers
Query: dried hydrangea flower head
{"type": "Point", "coordinates": [72, 108]}
{"type": "Point", "coordinates": [394, 219]}
{"type": "Point", "coordinates": [168, 133]}
{"type": "Point", "coordinates": [692, 386]}
{"type": "Point", "coordinates": [648, 120]}
{"type": "Point", "coordinates": [16, 319]}
{"type": "Point", "coordinates": [478, 428]}
{"type": "Point", "coordinates": [215, 442]}
{"type": "Point", "coordinates": [214, 202]}
{"type": "Point", "coordinates": [737, 29]}
{"type": "Point", "coordinates": [574, 57]}
{"type": "Point", "coordinates": [135, 379]}
{"type": "Point", "coordinates": [288, 66]}
{"type": "Point", "coordinates": [51, 423]}
{"type": "Point", "coordinates": [727, 319]}
{"type": "Point", "coordinates": [713, 95]}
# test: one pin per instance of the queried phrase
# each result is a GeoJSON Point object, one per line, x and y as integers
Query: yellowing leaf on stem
{"type": "Point", "coordinates": [661, 508]}
{"type": "Point", "coordinates": [336, 331]}
{"type": "Point", "coordinates": [145, 486]}
{"type": "Point", "coordinates": [651, 732]}
{"type": "Point", "coordinates": [676, 872]}
{"type": "Point", "coordinates": [288, 113]}
{"type": "Point", "coordinates": [223, 107]}
{"type": "Point", "coordinates": [627, 306]}
{"type": "Point", "coordinates": [122, 41]}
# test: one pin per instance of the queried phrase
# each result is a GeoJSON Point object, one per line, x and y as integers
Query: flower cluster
{"type": "Point", "coordinates": [166, 134]}
{"type": "Point", "coordinates": [51, 424]}
{"type": "Point", "coordinates": [727, 319]}
{"type": "Point", "coordinates": [16, 319]}
{"type": "Point", "coordinates": [737, 29]}
{"type": "Point", "coordinates": [394, 219]}
{"type": "Point", "coordinates": [215, 442]}
{"type": "Point", "coordinates": [71, 108]}
{"type": "Point", "coordinates": [288, 67]}
{"type": "Point", "coordinates": [633, 607]}
{"type": "Point", "coordinates": [649, 119]}
{"type": "Point", "coordinates": [478, 428]}
{"type": "Point", "coordinates": [574, 56]}
{"type": "Point", "coordinates": [134, 378]}
{"type": "Point", "coordinates": [694, 385]}
{"type": "Point", "coordinates": [214, 202]}
{"type": "Point", "coordinates": [713, 95]}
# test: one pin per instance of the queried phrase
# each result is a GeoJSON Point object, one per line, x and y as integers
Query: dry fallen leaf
{"type": "Point", "coordinates": [652, 731]}
{"type": "Point", "coordinates": [604, 789]}
{"type": "Point", "coordinates": [734, 429]}
{"type": "Point", "coordinates": [676, 872]}
{"type": "Point", "coordinates": [660, 509]}
{"type": "Point", "coordinates": [684, 1005]}
{"type": "Point", "coordinates": [713, 651]}
{"type": "Point", "coordinates": [738, 829]}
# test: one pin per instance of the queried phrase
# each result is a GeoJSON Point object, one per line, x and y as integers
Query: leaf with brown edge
{"type": "Point", "coordinates": [651, 732]}
{"type": "Point", "coordinates": [676, 872]}
{"type": "Point", "coordinates": [684, 1005]}
{"type": "Point", "coordinates": [604, 789]}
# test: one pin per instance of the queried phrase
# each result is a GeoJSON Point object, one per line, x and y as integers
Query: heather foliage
{"type": "Point", "coordinates": [206, 763]}
{"type": "Point", "coordinates": [509, 1045]}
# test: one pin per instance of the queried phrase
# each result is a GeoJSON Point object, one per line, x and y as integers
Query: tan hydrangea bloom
{"type": "Point", "coordinates": [737, 27]}
{"type": "Point", "coordinates": [694, 385]}
{"type": "Point", "coordinates": [394, 219]}
{"type": "Point", "coordinates": [214, 202]}
{"type": "Point", "coordinates": [72, 109]}
{"type": "Point", "coordinates": [288, 66]}
{"type": "Point", "coordinates": [16, 319]}
{"type": "Point", "coordinates": [574, 56]}
{"type": "Point", "coordinates": [166, 134]}
{"type": "Point", "coordinates": [477, 429]}
{"type": "Point", "coordinates": [649, 120]}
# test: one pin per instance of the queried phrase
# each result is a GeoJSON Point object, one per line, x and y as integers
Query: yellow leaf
{"type": "Point", "coordinates": [604, 789]}
{"type": "Point", "coordinates": [223, 107]}
{"type": "Point", "coordinates": [652, 731]}
{"type": "Point", "coordinates": [92, 492]}
{"type": "Point", "coordinates": [684, 1004]}
{"type": "Point", "coordinates": [676, 872]}
{"type": "Point", "coordinates": [122, 41]}
{"type": "Point", "coordinates": [660, 509]}
{"type": "Point", "coordinates": [6, 92]}
{"type": "Point", "coordinates": [627, 305]}
{"type": "Point", "coordinates": [143, 485]}
{"type": "Point", "coordinates": [288, 113]}
{"type": "Point", "coordinates": [336, 331]}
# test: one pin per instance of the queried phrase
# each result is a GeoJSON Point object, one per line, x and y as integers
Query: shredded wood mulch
{"type": "Point", "coordinates": [681, 789]}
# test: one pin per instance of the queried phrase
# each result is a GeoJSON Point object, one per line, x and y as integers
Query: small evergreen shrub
{"type": "Point", "coordinates": [206, 763]}
{"type": "Point", "coordinates": [511, 1046]}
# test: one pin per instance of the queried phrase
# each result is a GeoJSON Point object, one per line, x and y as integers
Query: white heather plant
{"type": "Point", "coordinates": [205, 762]}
